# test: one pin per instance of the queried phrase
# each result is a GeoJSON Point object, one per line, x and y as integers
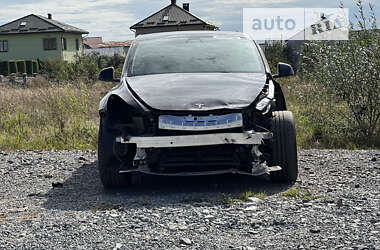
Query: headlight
{"type": "Point", "coordinates": [264, 103]}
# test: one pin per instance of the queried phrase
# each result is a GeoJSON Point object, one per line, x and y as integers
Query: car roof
{"type": "Point", "coordinates": [189, 34]}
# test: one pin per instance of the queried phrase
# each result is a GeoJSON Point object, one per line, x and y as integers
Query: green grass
{"type": "Point", "coordinates": [291, 193]}
{"type": "Point", "coordinates": [301, 194]}
{"type": "Point", "coordinates": [321, 122]}
{"type": "Point", "coordinates": [50, 117]}
{"type": "Point", "coordinates": [247, 194]}
{"type": "Point", "coordinates": [45, 116]}
{"type": "Point", "coordinates": [228, 200]}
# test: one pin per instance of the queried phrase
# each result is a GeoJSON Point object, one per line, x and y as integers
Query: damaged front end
{"type": "Point", "coordinates": [177, 113]}
{"type": "Point", "coordinates": [202, 143]}
{"type": "Point", "coordinates": [207, 154]}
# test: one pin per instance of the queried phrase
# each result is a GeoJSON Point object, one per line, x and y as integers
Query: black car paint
{"type": "Point", "coordinates": [159, 96]}
{"type": "Point", "coordinates": [147, 97]}
{"type": "Point", "coordinates": [183, 92]}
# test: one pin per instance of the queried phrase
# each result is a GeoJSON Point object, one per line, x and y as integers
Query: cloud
{"type": "Point", "coordinates": [108, 18]}
{"type": "Point", "coordinates": [111, 19]}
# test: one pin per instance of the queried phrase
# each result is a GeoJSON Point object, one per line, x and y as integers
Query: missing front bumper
{"type": "Point", "coordinates": [256, 171]}
{"type": "Point", "coordinates": [246, 138]}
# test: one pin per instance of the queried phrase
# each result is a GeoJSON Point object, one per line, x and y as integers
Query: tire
{"type": "Point", "coordinates": [108, 165]}
{"type": "Point", "coordinates": [284, 147]}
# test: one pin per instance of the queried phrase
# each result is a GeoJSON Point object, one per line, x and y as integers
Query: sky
{"type": "Point", "coordinates": [111, 19]}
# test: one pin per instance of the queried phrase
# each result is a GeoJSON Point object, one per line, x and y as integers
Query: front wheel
{"type": "Point", "coordinates": [108, 165]}
{"type": "Point", "coordinates": [284, 147]}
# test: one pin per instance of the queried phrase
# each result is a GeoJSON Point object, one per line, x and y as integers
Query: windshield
{"type": "Point", "coordinates": [195, 54]}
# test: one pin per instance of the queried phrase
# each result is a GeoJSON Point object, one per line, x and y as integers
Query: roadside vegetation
{"type": "Point", "coordinates": [84, 69]}
{"type": "Point", "coordinates": [48, 116]}
{"type": "Point", "coordinates": [335, 97]}
{"type": "Point", "coordinates": [302, 194]}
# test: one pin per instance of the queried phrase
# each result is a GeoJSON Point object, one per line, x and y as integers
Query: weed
{"type": "Point", "coordinates": [228, 200]}
{"type": "Point", "coordinates": [261, 195]}
{"type": "Point", "coordinates": [291, 193]}
{"type": "Point", "coordinates": [50, 117]}
{"type": "Point", "coordinates": [301, 194]}
{"type": "Point", "coordinates": [343, 80]}
{"type": "Point", "coordinates": [245, 195]}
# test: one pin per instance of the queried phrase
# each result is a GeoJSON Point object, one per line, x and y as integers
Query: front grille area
{"type": "Point", "coordinates": [200, 123]}
{"type": "Point", "coordinates": [218, 113]}
{"type": "Point", "coordinates": [163, 132]}
{"type": "Point", "coordinates": [196, 159]}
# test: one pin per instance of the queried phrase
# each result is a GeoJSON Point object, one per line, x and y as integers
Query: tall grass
{"type": "Point", "coordinates": [320, 119]}
{"type": "Point", "coordinates": [50, 117]}
{"type": "Point", "coordinates": [47, 116]}
{"type": "Point", "coordinates": [344, 79]}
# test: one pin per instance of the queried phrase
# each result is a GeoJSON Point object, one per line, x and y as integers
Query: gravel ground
{"type": "Point", "coordinates": [54, 199]}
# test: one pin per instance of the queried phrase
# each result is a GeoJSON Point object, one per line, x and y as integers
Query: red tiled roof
{"type": "Point", "coordinates": [115, 44]}
{"type": "Point", "coordinates": [93, 42]}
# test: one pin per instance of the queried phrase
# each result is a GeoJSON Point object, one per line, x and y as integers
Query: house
{"type": "Point", "coordinates": [92, 42]}
{"type": "Point", "coordinates": [171, 18]}
{"type": "Point", "coordinates": [109, 48]}
{"type": "Point", "coordinates": [37, 37]}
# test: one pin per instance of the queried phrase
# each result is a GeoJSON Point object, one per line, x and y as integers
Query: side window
{"type": "Point", "coordinates": [50, 43]}
{"type": "Point", "coordinates": [3, 45]}
{"type": "Point", "coordinates": [64, 44]}
{"type": "Point", "coordinates": [77, 44]}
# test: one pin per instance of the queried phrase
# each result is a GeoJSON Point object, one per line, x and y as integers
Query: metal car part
{"type": "Point", "coordinates": [260, 171]}
{"type": "Point", "coordinates": [264, 103]}
{"type": "Point", "coordinates": [247, 138]}
{"type": "Point", "coordinates": [140, 164]}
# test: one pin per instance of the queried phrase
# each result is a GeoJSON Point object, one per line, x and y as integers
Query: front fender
{"type": "Point", "coordinates": [122, 91]}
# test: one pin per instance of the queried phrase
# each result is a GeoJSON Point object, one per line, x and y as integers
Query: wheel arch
{"type": "Point", "coordinates": [279, 96]}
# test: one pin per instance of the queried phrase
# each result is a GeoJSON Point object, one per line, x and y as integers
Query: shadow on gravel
{"type": "Point", "coordinates": [84, 191]}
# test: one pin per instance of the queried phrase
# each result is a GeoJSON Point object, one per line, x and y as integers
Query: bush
{"type": "Point", "coordinates": [276, 52]}
{"type": "Point", "coordinates": [344, 79]}
{"type": "Point", "coordinates": [83, 69]}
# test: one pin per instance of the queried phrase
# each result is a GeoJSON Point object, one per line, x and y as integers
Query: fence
{"type": "Point", "coordinates": [29, 67]}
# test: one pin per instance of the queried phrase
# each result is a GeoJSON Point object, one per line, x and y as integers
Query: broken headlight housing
{"type": "Point", "coordinates": [267, 98]}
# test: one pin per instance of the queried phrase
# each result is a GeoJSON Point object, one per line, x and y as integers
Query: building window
{"type": "Point", "coordinates": [3, 45]}
{"type": "Point", "coordinates": [64, 44]}
{"type": "Point", "coordinates": [50, 43]}
{"type": "Point", "coordinates": [77, 44]}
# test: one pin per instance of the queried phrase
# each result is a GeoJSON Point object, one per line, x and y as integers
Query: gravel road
{"type": "Point", "coordinates": [54, 199]}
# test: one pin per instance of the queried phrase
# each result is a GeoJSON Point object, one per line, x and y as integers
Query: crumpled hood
{"type": "Point", "coordinates": [197, 92]}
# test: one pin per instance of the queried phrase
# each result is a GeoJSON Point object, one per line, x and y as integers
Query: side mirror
{"type": "Point", "coordinates": [284, 70]}
{"type": "Point", "coordinates": [108, 75]}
